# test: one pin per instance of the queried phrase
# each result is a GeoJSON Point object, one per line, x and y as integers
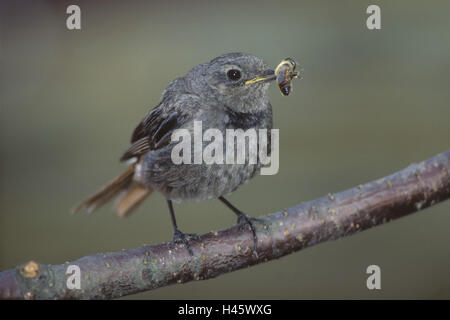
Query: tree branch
{"type": "Point", "coordinates": [127, 272]}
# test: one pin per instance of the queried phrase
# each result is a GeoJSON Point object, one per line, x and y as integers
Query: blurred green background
{"type": "Point", "coordinates": [370, 103]}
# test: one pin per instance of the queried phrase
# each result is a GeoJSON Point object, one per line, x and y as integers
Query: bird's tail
{"type": "Point", "coordinates": [128, 194]}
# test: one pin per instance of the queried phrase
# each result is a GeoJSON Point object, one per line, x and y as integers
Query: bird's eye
{"type": "Point", "coordinates": [234, 74]}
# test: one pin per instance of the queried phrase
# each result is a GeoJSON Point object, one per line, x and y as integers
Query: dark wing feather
{"type": "Point", "coordinates": [162, 135]}
{"type": "Point", "coordinates": [148, 123]}
{"type": "Point", "coordinates": [138, 148]}
{"type": "Point", "coordinates": [153, 132]}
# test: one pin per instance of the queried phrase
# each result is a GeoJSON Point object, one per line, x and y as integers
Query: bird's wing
{"type": "Point", "coordinates": [154, 131]}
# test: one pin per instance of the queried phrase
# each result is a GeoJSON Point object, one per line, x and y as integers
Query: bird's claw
{"type": "Point", "coordinates": [184, 238]}
{"type": "Point", "coordinates": [244, 219]}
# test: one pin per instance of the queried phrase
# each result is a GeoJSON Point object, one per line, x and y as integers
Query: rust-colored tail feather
{"type": "Point", "coordinates": [128, 193]}
{"type": "Point", "coordinates": [130, 199]}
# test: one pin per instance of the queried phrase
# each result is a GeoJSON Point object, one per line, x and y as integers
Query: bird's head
{"type": "Point", "coordinates": [238, 80]}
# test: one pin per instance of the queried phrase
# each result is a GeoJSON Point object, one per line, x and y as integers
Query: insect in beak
{"type": "Point", "coordinates": [284, 73]}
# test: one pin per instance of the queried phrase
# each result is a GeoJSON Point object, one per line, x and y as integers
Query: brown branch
{"type": "Point", "coordinates": [126, 272]}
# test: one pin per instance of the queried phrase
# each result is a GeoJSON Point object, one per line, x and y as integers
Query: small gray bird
{"type": "Point", "coordinates": [229, 92]}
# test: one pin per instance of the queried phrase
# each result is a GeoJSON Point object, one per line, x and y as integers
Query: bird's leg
{"type": "Point", "coordinates": [243, 219]}
{"type": "Point", "coordinates": [179, 236]}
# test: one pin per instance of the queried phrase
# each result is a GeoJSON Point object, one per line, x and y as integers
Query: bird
{"type": "Point", "coordinates": [227, 92]}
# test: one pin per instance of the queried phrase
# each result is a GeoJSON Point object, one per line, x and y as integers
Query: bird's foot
{"type": "Point", "coordinates": [244, 219]}
{"type": "Point", "coordinates": [184, 238]}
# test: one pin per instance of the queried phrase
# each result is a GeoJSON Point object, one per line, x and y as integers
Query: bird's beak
{"type": "Point", "coordinates": [266, 76]}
